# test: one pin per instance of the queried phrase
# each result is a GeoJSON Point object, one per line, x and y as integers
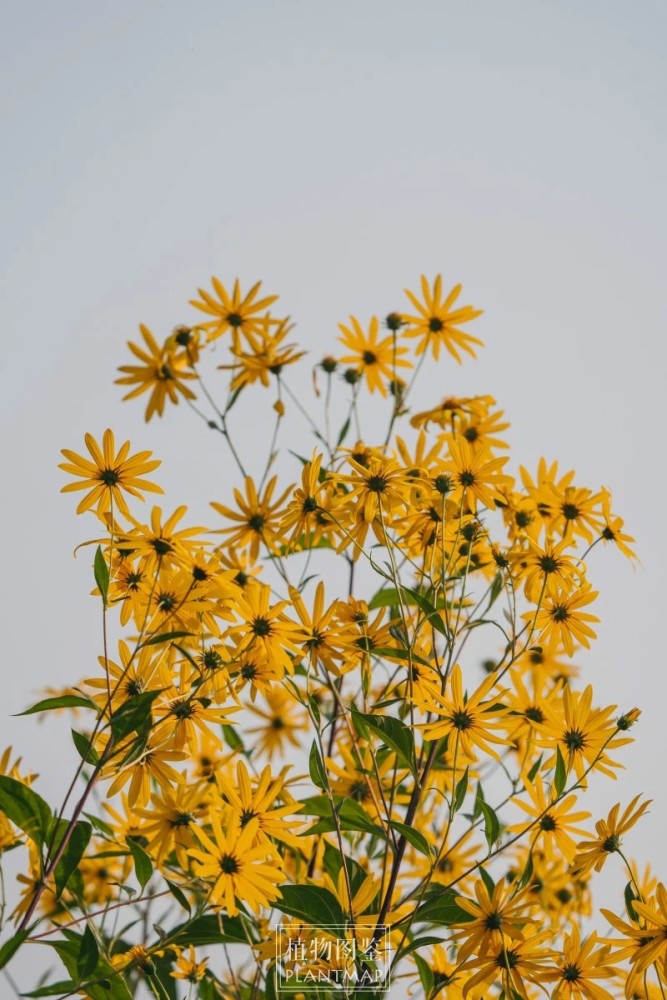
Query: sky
{"type": "Point", "coordinates": [337, 152]}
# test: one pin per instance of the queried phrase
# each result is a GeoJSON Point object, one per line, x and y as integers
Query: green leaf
{"type": "Point", "coordinates": [460, 792]}
{"type": "Point", "coordinates": [25, 808]}
{"type": "Point", "coordinates": [101, 574]}
{"type": "Point", "coordinates": [419, 942]}
{"type": "Point", "coordinates": [270, 990]}
{"type": "Point", "coordinates": [629, 900]}
{"type": "Point", "coordinates": [479, 798]}
{"type": "Point", "coordinates": [71, 856]}
{"type": "Point", "coordinates": [63, 988]}
{"type": "Point", "coordinates": [343, 432]}
{"type": "Point", "coordinates": [143, 866]}
{"type": "Point", "coordinates": [487, 880]}
{"type": "Point", "coordinates": [105, 982]}
{"type": "Point", "coordinates": [89, 954]}
{"type": "Point", "coordinates": [527, 873]}
{"type": "Point", "coordinates": [210, 929]}
{"type": "Point", "coordinates": [441, 908]}
{"type": "Point", "coordinates": [532, 774]}
{"type": "Point", "coordinates": [432, 614]}
{"type": "Point", "coordinates": [393, 653]}
{"type": "Point", "coordinates": [10, 947]}
{"type": "Point", "coordinates": [178, 895]}
{"type": "Point", "coordinates": [425, 974]}
{"type": "Point", "coordinates": [133, 715]}
{"type": "Point", "coordinates": [351, 816]}
{"type": "Point", "coordinates": [496, 589]}
{"type": "Point", "coordinates": [63, 701]}
{"type": "Point", "coordinates": [413, 837]}
{"type": "Point", "coordinates": [231, 737]}
{"type": "Point", "coordinates": [387, 597]}
{"type": "Point", "coordinates": [318, 774]}
{"type": "Point", "coordinates": [491, 824]}
{"type": "Point", "coordinates": [156, 640]}
{"type": "Point", "coordinates": [394, 734]}
{"type": "Point", "coordinates": [232, 399]}
{"type": "Point", "coordinates": [313, 904]}
{"type": "Point", "coordinates": [85, 748]}
{"type": "Point", "coordinates": [560, 777]}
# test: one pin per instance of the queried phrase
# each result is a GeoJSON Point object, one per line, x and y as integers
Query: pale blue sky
{"type": "Point", "coordinates": [337, 151]}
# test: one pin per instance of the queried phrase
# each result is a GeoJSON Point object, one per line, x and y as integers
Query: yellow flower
{"type": "Point", "coordinates": [551, 821]}
{"type": "Point", "coordinates": [594, 852]}
{"type": "Point", "coordinates": [374, 359]}
{"type": "Point", "coordinates": [381, 485]}
{"type": "Point", "coordinates": [169, 821]}
{"type": "Point", "coordinates": [542, 565]}
{"type": "Point", "coordinates": [578, 966]}
{"type": "Point", "coordinates": [508, 964]}
{"type": "Point", "coordinates": [266, 357]}
{"type": "Point", "coordinates": [437, 323]}
{"type": "Point", "coordinates": [279, 723]}
{"type": "Point", "coordinates": [259, 803]}
{"type": "Point", "coordinates": [109, 475]}
{"type": "Point", "coordinates": [496, 917]}
{"type": "Point", "coordinates": [237, 870]}
{"type": "Point", "coordinates": [259, 520]}
{"type": "Point", "coordinates": [190, 968]}
{"type": "Point", "coordinates": [302, 510]}
{"type": "Point", "coordinates": [162, 371]}
{"type": "Point", "coordinates": [583, 734]}
{"type": "Point", "coordinates": [560, 615]}
{"type": "Point", "coordinates": [476, 475]}
{"type": "Point", "coordinates": [160, 544]}
{"type": "Point", "coordinates": [236, 312]}
{"type": "Point", "coordinates": [266, 629]}
{"type": "Point", "coordinates": [151, 764]}
{"type": "Point", "coordinates": [470, 720]}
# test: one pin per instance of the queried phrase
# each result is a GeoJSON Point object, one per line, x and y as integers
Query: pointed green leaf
{"type": "Point", "coordinates": [318, 774]}
{"type": "Point", "coordinates": [85, 748]}
{"type": "Point", "coordinates": [491, 824]}
{"type": "Point", "coordinates": [89, 954]}
{"type": "Point", "coordinates": [311, 903]}
{"type": "Point", "coordinates": [101, 571]}
{"type": "Point", "coordinates": [143, 866]}
{"type": "Point", "coordinates": [560, 776]}
{"type": "Point", "coordinates": [63, 701]}
{"type": "Point", "coordinates": [394, 734]}
{"type": "Point", "coordinates": [71, 856]}
{"type": "Point", "coordinates": [460, 792]}
{"type": "Point", "coordinates": [133, 715]}
{"type": "Point", "coordinates": [413, 837]}
{"type": "Point", "coordinates": [10, 947]}
{"type": "Point", "coordinates": [25, 808]}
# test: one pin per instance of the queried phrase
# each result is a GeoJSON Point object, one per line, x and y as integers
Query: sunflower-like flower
{"type": "Point", "coordinates": [163, 372]}
{"type": "Point", "coordinates": [376, 360]}
{"type": "Point", "coordinates": [257, 521]}
{"type": "Point", "coordinates": [594, 852]}
{"type": "Point", "coordinates": [437, 322]}
{"type": "Point", "coordinates": [237, 871]}
{"type": "Point", "coordinates": [471, 720]}
{"type": "Point", "coordinates": [578, 966]}
{"type": "Point", "coordinates": [110, 475]}
{"type": "Point", "coordinates": [236, 312]}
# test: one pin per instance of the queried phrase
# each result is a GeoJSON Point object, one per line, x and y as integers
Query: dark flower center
{"type": "Point", "coordinates": [261, 626]}
{"type": "Point", "coordinates": [229, 864]}
{"type": "Point", "coordinates": [109, 477]}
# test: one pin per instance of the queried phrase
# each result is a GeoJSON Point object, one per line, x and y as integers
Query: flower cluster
{"type": "Point", "coordinates": [408, 754]}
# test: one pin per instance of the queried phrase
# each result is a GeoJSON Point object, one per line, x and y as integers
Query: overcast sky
{"type": "Point", "coordinates": [337, 151]}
